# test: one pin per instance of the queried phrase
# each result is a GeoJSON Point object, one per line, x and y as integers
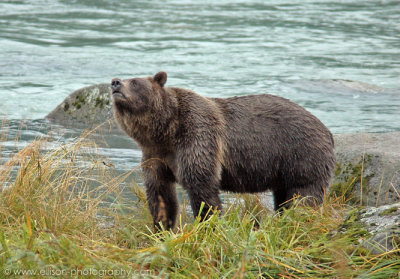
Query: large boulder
{"type": "Point", "coordinates": [368, 165]}
{"type": "Point", "coordinates": [87, 107]}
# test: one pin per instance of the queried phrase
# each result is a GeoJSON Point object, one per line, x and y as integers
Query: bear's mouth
{"type": "Point", "coordinates": [118, 94]}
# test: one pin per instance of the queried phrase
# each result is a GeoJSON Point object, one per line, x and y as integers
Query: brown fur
{"type": "Point", "coordinates": [242, 144]}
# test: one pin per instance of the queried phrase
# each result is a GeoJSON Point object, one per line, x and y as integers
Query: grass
{"type": "Point", "coordinates": [64, 216]}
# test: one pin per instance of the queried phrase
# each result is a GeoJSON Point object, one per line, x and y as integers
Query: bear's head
{"type": "Point", "coordinates": [136, 96]}
{"type": "Point", "coordinates": [145, 109]}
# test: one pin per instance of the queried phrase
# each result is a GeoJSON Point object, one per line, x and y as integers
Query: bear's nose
{"type": "Point", "coordinates": [116, 84]}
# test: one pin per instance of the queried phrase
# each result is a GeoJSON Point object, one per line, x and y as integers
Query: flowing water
{"type": "Point", "coordinates": [292, 48]}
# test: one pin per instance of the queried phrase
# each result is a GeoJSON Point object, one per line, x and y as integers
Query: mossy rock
{"type": "Point", "coordinates": [368, 168]}
{"type": "Point", "coordinates": [383, 225]}
{"type": "Point", "coordinates": [351, 182]}
{"type": "Point", "coordinates": [87, 107]}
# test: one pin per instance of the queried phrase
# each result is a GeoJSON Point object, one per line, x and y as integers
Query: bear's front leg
{"type": "Point", "coordinates": [199, 173]}
{"type": "Point", "coordinates": [161, 193]}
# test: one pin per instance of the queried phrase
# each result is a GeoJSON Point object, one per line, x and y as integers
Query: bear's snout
{"type": "Point", "coordinates": [116, 84]}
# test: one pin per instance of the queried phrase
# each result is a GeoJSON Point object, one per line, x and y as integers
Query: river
{"type": "Point", "coordinates": [292, 48]}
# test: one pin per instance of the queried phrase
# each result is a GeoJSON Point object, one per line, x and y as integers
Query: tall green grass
{"type": "Point", "coordinates": [64, 214]}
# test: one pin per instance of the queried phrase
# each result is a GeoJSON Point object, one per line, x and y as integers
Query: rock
{"type": "Point", "coordinates": [339, 85]}
{"type": "Point", "coordinates": [383, 224]}
{"type": "Point", "coordinates": [352, 85]}
{"type": "Point", "coordinates": [87, 107]}
{"type": "Point", "coordinates": [374, 160]}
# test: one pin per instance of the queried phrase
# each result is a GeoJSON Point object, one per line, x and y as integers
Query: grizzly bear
{"type": "Point", "coordinates": [243, 144]}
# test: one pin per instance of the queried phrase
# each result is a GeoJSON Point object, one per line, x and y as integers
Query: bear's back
{"type": "Point", "coordinates": [267, 141]}
{"type": "Point", "coordinates": [270, 139]}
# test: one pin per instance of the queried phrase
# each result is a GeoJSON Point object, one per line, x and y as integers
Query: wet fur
{"type": "Point", "coordinates": [242, 144]}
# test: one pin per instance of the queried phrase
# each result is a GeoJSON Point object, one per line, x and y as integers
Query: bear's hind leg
{"type": "Point", "coordinates": [283, 197]}
{"type": "Point", "coordinates": [280, 198]}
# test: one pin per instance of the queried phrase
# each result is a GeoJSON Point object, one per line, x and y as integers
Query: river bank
{"type": "Point", "coordinates": [52, 222]}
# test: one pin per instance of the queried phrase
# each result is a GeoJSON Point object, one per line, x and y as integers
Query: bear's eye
{"type": "Point", "coordinates": [133, 83]}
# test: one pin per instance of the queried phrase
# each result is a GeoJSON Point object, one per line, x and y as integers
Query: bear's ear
{"type": "Point", "coordinates": [160, 78]}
